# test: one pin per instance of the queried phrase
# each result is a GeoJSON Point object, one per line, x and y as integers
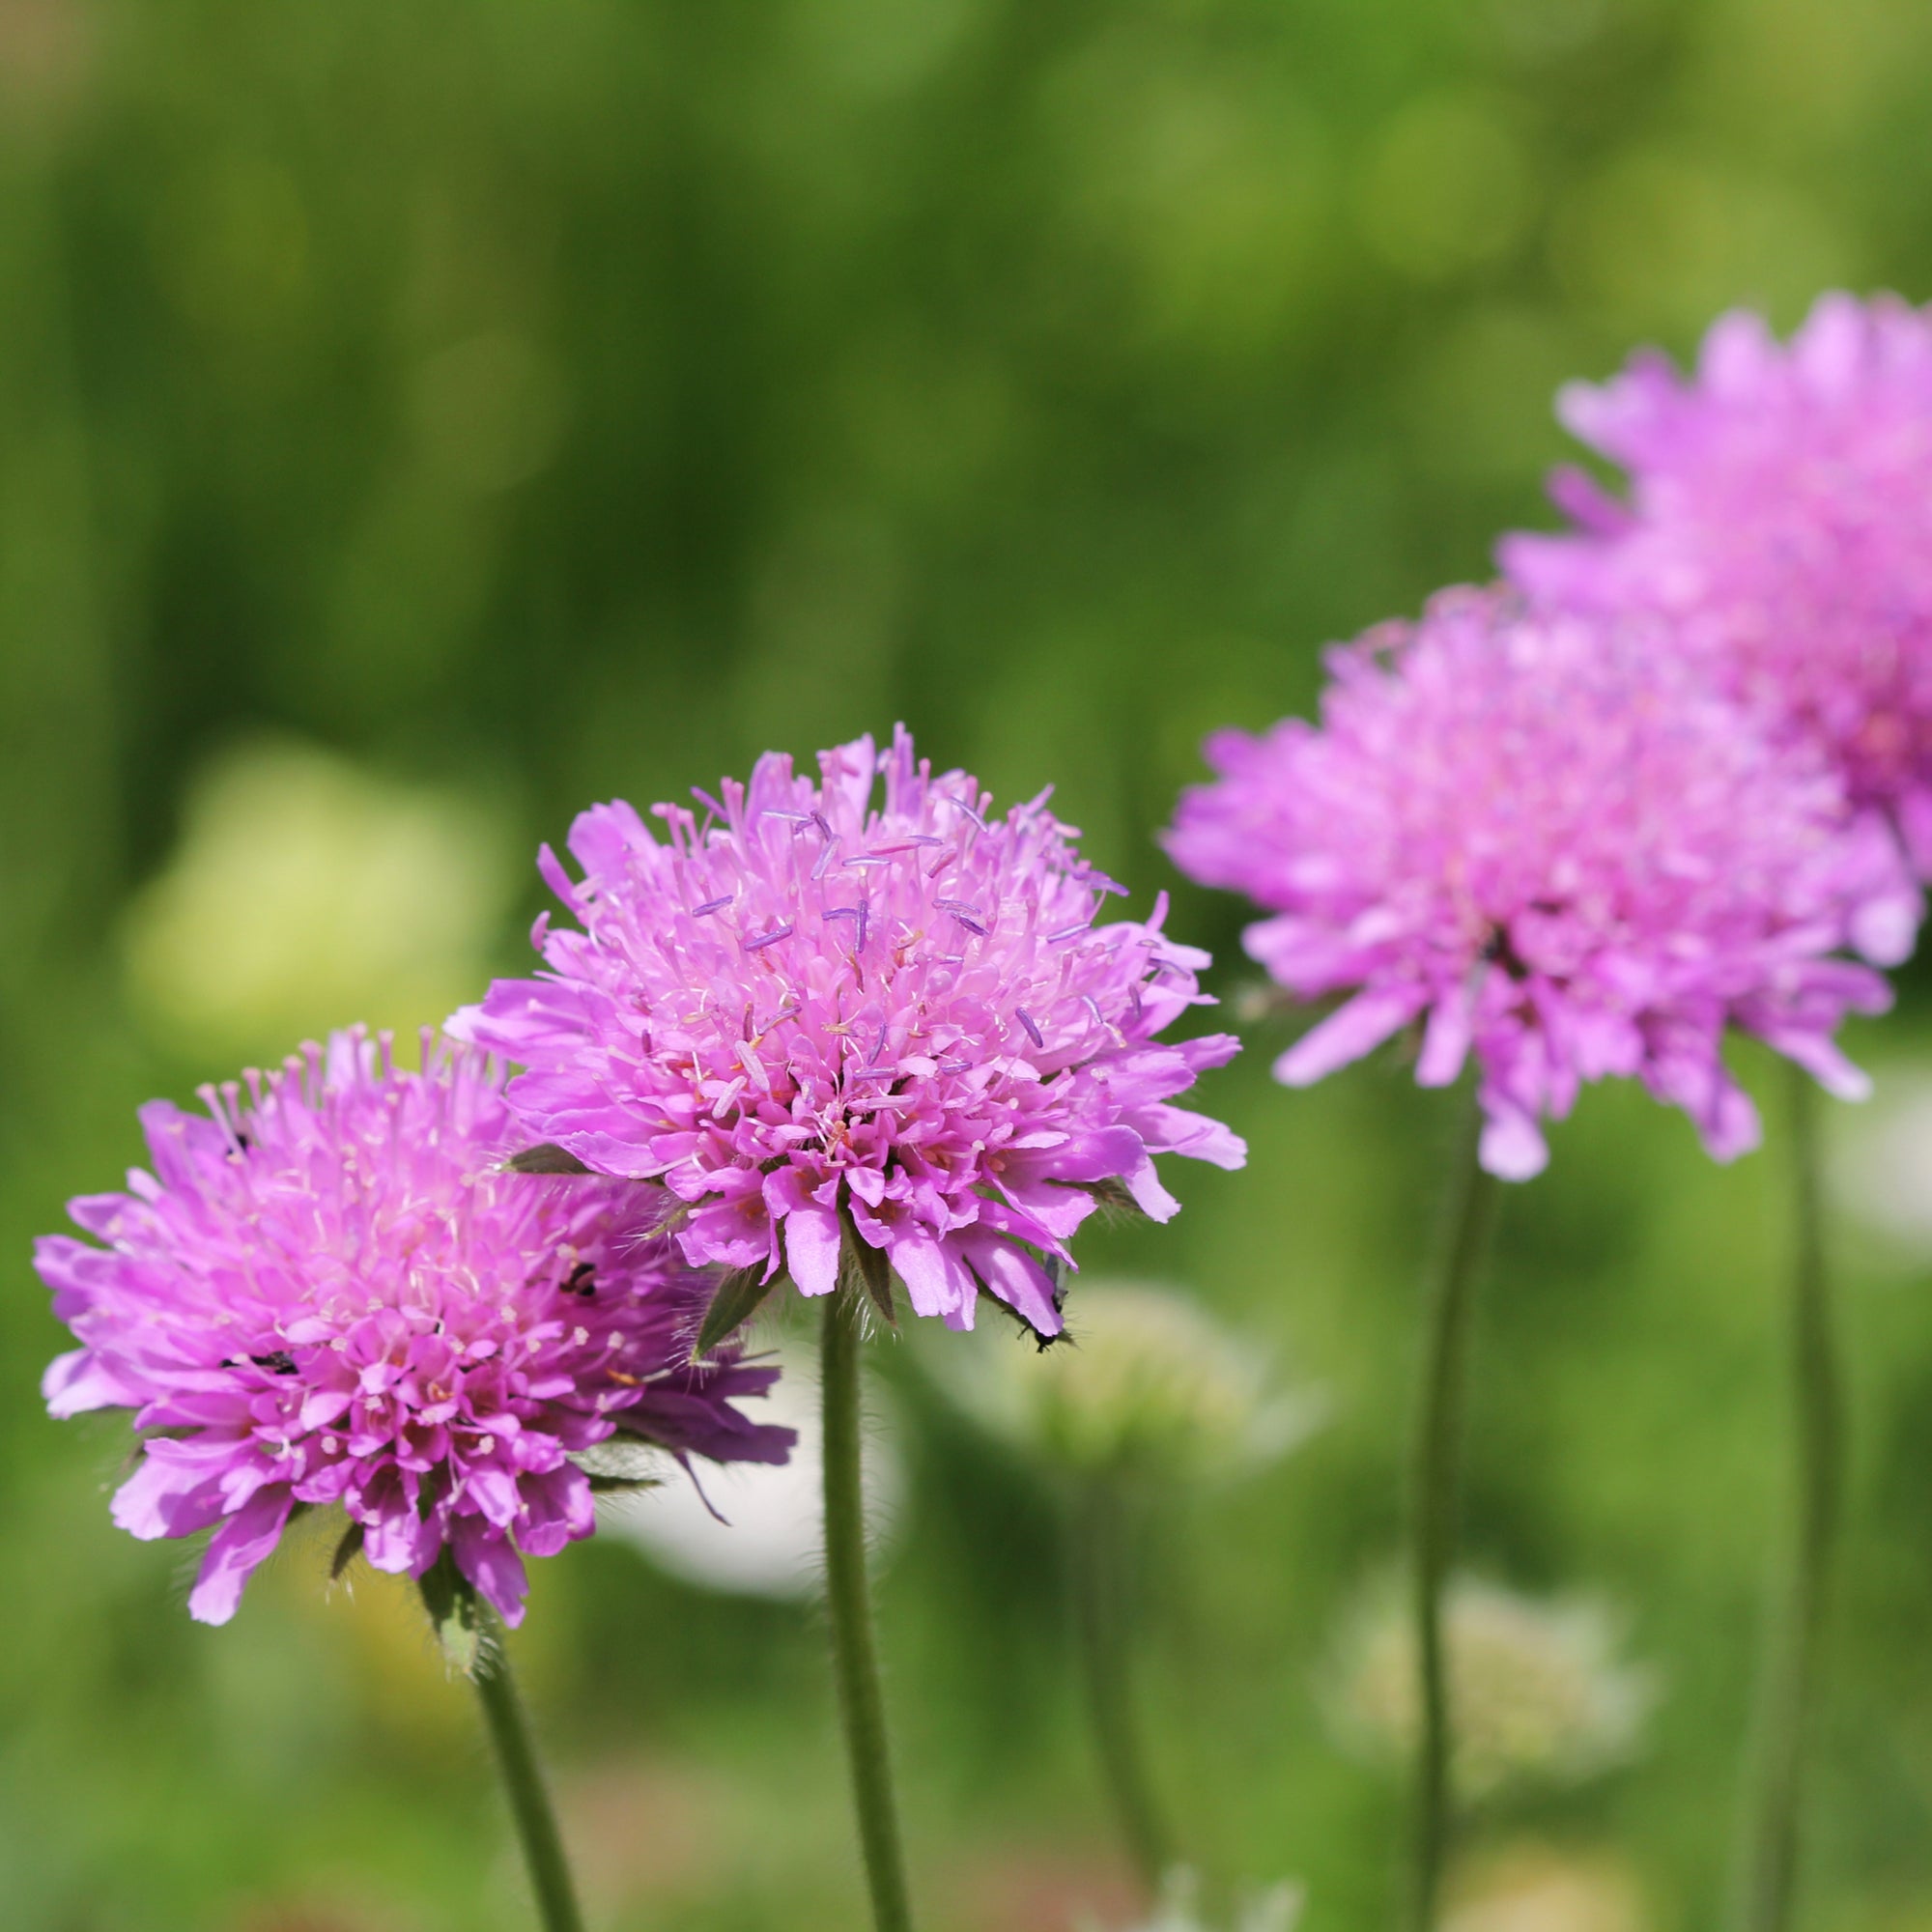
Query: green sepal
{"type": "Point", "coordinates": [867, 1265]}
{"type": "Point", "coordinates": [622, 1464]}
{"type": "Point", "coordinates": [347, 1550]}
{"type": "Point", "coordinates": [738, 1299]}
{"type": "Point", "coordinates": [1113, 1193]}
{"type": "Point", "coordinates": [546, 1158]}
{"type": "Point", "coordinates": [456, 1617]}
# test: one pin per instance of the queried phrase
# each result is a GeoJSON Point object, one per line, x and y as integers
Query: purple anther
{"type": "Point", "coordinates": [824, 859]}
{"type": "Point", "coordinates": [924, 838]}
{"type": "Point", "coordinates": [965, 913]}
{"type": "Point", "coordinates": [709, 803]}
{"type": "Point", "coordinates": [1099, 1018]}
{"type": "Point", "coordinates": [940, 864]}
{"type": "Point", "coordinates": [1025, 1019]}
{"type": "Point", "coordinates": [1065, 933]}
{"type": "Point", "coordinates": [791, 817]}
{"type": "Point", "coordinates": [866, 859]}
{"type": "Point", "coordinates": [948, 798]}
{"type": "Point", "coordinates": [888, 851]}
{"type": "Point", "coordinates": [955, 1067]}
{"type": "Point", "coordinates": [711, 906]}
{"type": "Point", "coordinates": [765, 939]}
{"type": "Point", "coordinates": [841, 912]}
{"type": "Point", "coordinates": [824, 824]}
{"type": "Point", "coordinates": [865, 923]}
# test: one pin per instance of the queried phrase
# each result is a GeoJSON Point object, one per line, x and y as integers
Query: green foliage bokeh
{"type": "Point", "coordinates": [527, 403]}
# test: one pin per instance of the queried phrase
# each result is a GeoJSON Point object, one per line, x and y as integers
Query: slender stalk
{"type": "Point", "coordinates": [1098, 1575]}
{"type": "Point", "coordinates": [849, 1607]}
{"type": "Point", "coordinates": [1789, 1684]}
{"type": "Point", "coordinates": [1436, 1479]}
{"type": "Point", "coordinates": [524, 1787]}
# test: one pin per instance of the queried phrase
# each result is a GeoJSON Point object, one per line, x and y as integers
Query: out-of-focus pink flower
{"type": "Point", "coordinates": [327, 1291]}
{"type": "Point", "coordinates": [1780, 519]}
{"type": "Point", "coordinates": [808, 1007]}
{"type": "Point", "coordinates": [1549, 840]}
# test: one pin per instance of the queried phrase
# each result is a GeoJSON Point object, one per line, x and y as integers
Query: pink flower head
{"type": "Point", "coordinates": [327, 1292]}
{"type": "Point", "coordinates": [1780, 518]}
{"type": "Point", "coordinates": [810, 1007]}
{"type": "Point", "coordinates": [1548, 840]}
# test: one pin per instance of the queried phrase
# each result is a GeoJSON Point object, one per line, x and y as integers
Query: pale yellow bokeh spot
{"type": "Point", "coordinates": [308, 893]}
{"type": "Point", "coordinates": [1532, 1887]}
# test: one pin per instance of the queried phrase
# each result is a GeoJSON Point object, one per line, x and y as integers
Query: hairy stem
{"type": "Point", "coordinates": [524, 1785]}
{"type": "Point", "coordinates": [1438, 1435]}
{"type": "Point", "coordinates": [849, 1608]}
{"type": "Point", "coordinates": [1098, 1573]}
{"type": "Point", "coordinates": [1789, 1684]}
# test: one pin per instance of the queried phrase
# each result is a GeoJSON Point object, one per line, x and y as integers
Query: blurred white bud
{"type": "Point", "coordinates": [757, 1529]}
{"type": "Point", "coordinates": [1146, 1384]}
{"type": "Point", "coordinates": [1538, 1691]}
{"type": "Point", "coordinates": [1880, 1159]}
{"type": "Point", "coordinates": [1276, 1910]}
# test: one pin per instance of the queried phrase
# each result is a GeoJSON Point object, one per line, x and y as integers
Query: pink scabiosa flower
{"type": "Point", "coordinates": [1550, 842]}
{"type": "Point", "coordinates": [1780, 518]}
{"type": "Point", "coordinates": [328, 1291]}
{"type": "Point", "coordinates": [809, 1009]}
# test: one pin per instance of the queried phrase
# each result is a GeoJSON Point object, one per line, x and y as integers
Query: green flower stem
{"type": "Point", "coordinates": [1789, 1684]}
{"type": "Point", "coordinates": [1472, 1209]}
{"type": "Point", "coordinates": [849, 1608]}
{"type": "Point", "coordinates": [1097, 1567]}
{"type": "Point", "coordinates": [524, 1785]}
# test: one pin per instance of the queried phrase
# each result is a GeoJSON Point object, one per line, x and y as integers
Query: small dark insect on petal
{"type": "Point", "coordinates": [581, 1280]}
{"type": "Point", "coordinates": [279, 1360]}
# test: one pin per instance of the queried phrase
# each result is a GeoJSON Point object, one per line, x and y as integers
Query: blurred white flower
{"type": "Point", "coordinates": [1276, 1910]}
{"type": "Point", "coordinates": [1538, 1691]}
{"type": "Point", "coordinates": [306, 893]}
{"type": "Point", "coordinates": [1148, 1383]}
{"type": "Point", "coordinates": [1880, 1159]}
{"type": "Point", "coordinates": [770, 1541]}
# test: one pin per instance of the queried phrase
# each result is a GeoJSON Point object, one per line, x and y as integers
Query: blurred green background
{"type": "Point", "coordinates": [417, 421]}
